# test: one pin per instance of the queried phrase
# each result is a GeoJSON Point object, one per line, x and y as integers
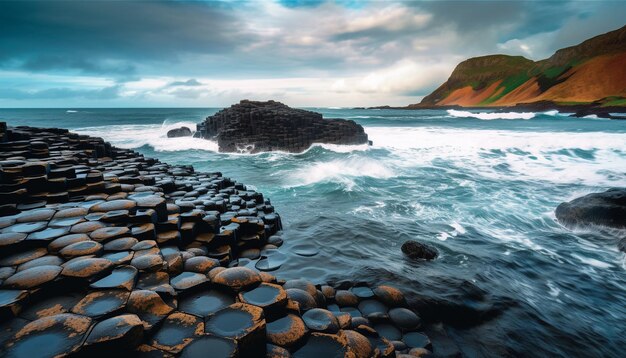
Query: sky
{"type": "Point", "coordinates": [303, 53]}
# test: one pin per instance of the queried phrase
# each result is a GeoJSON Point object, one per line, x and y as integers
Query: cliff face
{"type": "Point", "coordinates": [593, 71]}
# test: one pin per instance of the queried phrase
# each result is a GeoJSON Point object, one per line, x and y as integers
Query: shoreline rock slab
{"type": "Point", "coordinates": [104, 249]}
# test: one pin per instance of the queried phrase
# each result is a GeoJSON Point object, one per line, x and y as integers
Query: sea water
{"type": "Point", "coordinates": [479, 187]}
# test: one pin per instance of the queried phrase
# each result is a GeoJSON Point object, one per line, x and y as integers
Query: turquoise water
{"type": "Point", "coordinates": [509, 280]}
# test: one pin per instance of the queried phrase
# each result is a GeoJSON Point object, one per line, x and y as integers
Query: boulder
{"type": "Point", "coordinates": [252, 127]}
{"type": "Point", "coordinates": [605, 209]}
{"type": "Point", "coordinates": [179, 132]}
{"type": "Point", "coordinates": [417, 250]}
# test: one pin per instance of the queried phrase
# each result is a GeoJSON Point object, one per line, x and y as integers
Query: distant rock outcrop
{"type": "Point", "coordinates": [591, 73]}
{"type": "Point", "coordinates": [179, 132]}
{"type": "Point", "coordinates": [252, 127]}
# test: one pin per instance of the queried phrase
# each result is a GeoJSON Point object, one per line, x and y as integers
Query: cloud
{"type": "Point", "coordinates": [189, 83]}
{"type": "Point", "coordinates": [305, 52]}
{"type": "Point", "coordinates": [105, 93]}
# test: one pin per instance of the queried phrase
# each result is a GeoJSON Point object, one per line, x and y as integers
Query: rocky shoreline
{"type": "Point", "coordinates": [104, 251]}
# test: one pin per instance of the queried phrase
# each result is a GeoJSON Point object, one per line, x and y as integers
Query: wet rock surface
{"type": "Point", "coordinates": [179, 132]}
{"type": "Point", "coordinates": [417, 250]}
{"type": "Point", "coordinates": [252, 127]}
{"type": "Point", "coordinates": [606, 209]}
{"type": "Point", "coordinates": [122, 254]}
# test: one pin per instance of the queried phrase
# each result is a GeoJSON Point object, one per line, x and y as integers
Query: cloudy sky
{"type": "Point", "coordinates": [304, 53]}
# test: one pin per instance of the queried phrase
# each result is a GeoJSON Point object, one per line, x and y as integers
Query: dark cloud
{"type": "Point", "coordinates": [189, 83]}
{"type": "Point", "coordinates": [111, 92]}
{"type": "Point", "coordinates": [85, 36]}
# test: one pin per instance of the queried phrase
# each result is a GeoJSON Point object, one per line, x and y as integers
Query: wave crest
{"type": "Point", "coordinates": [487, 116]}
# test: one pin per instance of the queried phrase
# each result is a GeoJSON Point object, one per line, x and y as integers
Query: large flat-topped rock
{"type": "Point", "coordinates": [252, 127]}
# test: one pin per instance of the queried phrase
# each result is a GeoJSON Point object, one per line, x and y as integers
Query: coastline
{"type": "Point", "coordinates": [145, 245]}
{"type": "Point", "coordinates": [580, 110]}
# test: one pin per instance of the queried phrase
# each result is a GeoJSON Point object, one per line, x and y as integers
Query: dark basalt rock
{"type": "Point", "coordinates": [605, 209]}
{"type": "Point", "coordinates": [178, 330]}
{"type": "Point", "coordinates": [254, 127]}
{"type": "Point", "coordinates": [237, 278]}
{"type": "Point", "coordinates": [33, 277]}
{"type": "Point", "coordinates": [53, 336]}
{"type": "Point", "coordinates": [321, 320]}
{"type": "Point", "coordinates": [179, 132]}
{"type": "Point", "coordinates": [323, 345]}
{"type": "Point", "coordinates": [206, 302]}
{"type": "Point", "coordinates": [417, 250]}
{"type": "Point", "coordinates": [101, 303]}
{"type": "Point", "coordinates": [287, 331]}
{"type": "Point", "coordinates": [119, 333]}
{"type": "Point", "coordinates": [267, 296]}
{"type": "Point", "coordinates": [243, 323]}
{"type": "Point", "coordinates": [217, 346]}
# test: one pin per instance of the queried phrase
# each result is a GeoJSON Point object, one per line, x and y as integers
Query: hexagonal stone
{"type": "Point", "coordinates": [405, 319]}
{"type": "Point", "coordinates": [304, 299]}
{"type": "Point", "coordinates": [59, 243]}
{"type": "Point", "coordinates": [22, 257]}
{"type": "Point", "coordinates": [321, 320]}
{"type": "Point", "coordinates": [41, 261]}
{"type": "Point", "coordinates": [344, 319]}
{"type": "Point", "coordinates": [70, 213]}
{"type": "Point", "coordinates": [328, 292]}
{"type": "Point", "coordinates": [155, 281]}
{"type": "Point", "coordinates": [383, 345]}
{"type": "Point", "coordinates": [388, 331]}
{"type": "Point", "coordinates": [26, 228]}
{"type": "Point", "coordinates": [346, 298]}
{"type": "Point", "coordinates": [122, 277]}
{"type": "Point", "coordinates": [237, 278]}
{"type": "Point", "coordinates": [119, 258]}
{"type": "Point", "coordinates": [87, 227]}
{"type": "Point", "coordinates": [266, 295]}
{"type": "Point", "coordinates": [276, 352]}
{"type": "Point", "coordinates": [119, 333]}
{"type": "Point", "coordinates": [101, 303]}
{"type": "Point", "coordinates": [178, 330]}
{"type": "Point", "coordinates": [301, 284]}
{"type": "Point", "coordinates": [287, 331]}
{"type": "Point", "coordinates": [200, 264]}
{"type": "Point", "coordinates": [188, 280]}
{"type": "Point", "coordinates": [10, 302]}
{"type": "Point", "coordinates": [371, 308]}
{"type": "Point", "coordinates": [121, 244]}
{"type": "Point", "coordinates": [83, 248]}
{"type": "Point", "coordinates": [121, 204]}
{"type": "Point", "coordinates": [362, 292]}
{"type": "Point", "coordinates": [323, 345]}
{"type": "Point", "coordinates": [106, 234]}
{"type": "Point", "coordinates": [149, 263]}
{"type": "Point", "coordinates": [390, 296]}
{"type": "Point", "coordinates": [11, 239]}
{"type": "Point", "coordinates": [218, 346]}
{"type": "Point", "coordinates": [52, 336]}
{"type": "Point", "coordinates": [144, 245]}
{"type": "Point", "coordinates": [206, 302]}
{"type": "Point", "coordinates": [305, 249]}
{"type": "Point", "coordinates": [48, 234]}
{"type": "Point", "coordinates": [242, 322]}
{"type": "Point", "coordinates": [50, 306]}
{"type": "Point", "coordinates": [417, 340]}
{"type": "Point", "coordinates": [35, 215]}
{"type": "Point", "coordinates": [33, 277]}
{"type": "Point", "coordinates": [358, 343]}
{"type": "Point", "coordinates": [86, 268]}
{"type": "Point", "coordinates": [149, 306]}
{"type": "Point", "coordinates": [66, 222]}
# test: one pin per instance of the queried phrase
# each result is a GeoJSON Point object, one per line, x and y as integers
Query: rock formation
{"type": "Point", "coordinates": [179, 132]}
{"type": "Point", "coordinates": [606, 209]}
{"type": "Point", "coordinates": [417, 250]}
{"type": "Point", "coordinates": [105, 252]}
{"type": "Point", "coordinates": [592, 73]}
{"type": "Point", "coordinates": [252, 127]}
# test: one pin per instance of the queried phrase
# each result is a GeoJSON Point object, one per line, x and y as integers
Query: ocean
{"type": "Point", "coordinates": [479, 187]}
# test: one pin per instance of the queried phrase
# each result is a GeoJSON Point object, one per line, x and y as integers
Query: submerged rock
{"type": "Point", "coordinates": [179, 132]}
{"type": "Point", "coordinates": [417, 250]}
{"type": "Point", "coordinates": [606, 209]}
{"type": "Point", "coordinates": [252, 127]}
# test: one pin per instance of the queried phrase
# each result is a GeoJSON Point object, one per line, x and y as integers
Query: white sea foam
{"type": "Point", "coordinates": [135, 136]}
{"type": "Point", "coordinates": [70, 111]}
{"type": "Point", "coordinates": [339, 170]}
{"type": "Point", "coordinates": [501, 154]}
{"type": "Point", "coordinates": [491, 115]}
